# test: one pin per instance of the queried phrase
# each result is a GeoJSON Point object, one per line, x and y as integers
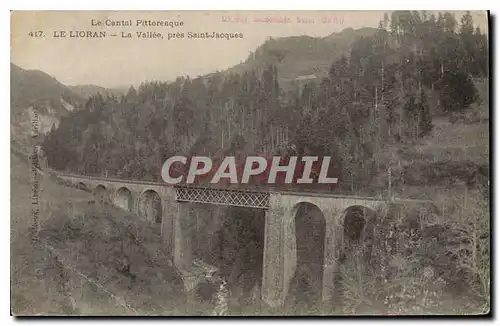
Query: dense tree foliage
{"type": "Point", "coordinates": [377, 96]}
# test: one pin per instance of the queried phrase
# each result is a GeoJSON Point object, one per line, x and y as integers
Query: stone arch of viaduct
{"type": "Point", "coordinates": [130, 195]}
{"type": "Point", "coordinates": [280, 252]}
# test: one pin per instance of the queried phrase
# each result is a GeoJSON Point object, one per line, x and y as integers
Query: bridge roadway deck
{"type": "Point", "coordinates": [245, 189]}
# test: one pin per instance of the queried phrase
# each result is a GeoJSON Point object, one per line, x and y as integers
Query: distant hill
{"type": "Point", "coordinates": [86, 91]}
{"type": "Point", "coordinates": [34, 90]}
{"type": "Point", "coordinates": [298, 56]}
{"type": "Point", "coordinates": [34, 87]}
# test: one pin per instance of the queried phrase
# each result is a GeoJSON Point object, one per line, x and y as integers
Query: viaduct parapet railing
{"type": "Point", "coordinates": [252, 197]}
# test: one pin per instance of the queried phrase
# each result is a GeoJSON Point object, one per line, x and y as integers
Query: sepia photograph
{"type": "Point", "coordinates": [250, 163]}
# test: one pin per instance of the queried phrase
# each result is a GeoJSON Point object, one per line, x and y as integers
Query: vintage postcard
{"type": "Point", "coordinates": [250, 163]}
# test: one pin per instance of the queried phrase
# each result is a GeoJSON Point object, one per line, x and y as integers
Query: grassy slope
{"type": "Point", "coordinates": [465, 139]}
{"type": "Point", "coordinates": [88, 240]}
{"type": "Point", "coordinates": [453, 156]}
{"type": "Point", "coordinates": [34, 276]}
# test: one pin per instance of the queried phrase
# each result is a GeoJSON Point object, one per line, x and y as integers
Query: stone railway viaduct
{"type": "Point", "coordinates": [280, 249]}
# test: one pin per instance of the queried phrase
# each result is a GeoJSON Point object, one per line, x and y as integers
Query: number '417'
{"type": "Point", "coordinates": [36, 34]}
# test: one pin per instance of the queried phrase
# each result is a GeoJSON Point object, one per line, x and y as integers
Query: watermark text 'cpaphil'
{"type": "Point", "coordinates": [252, 169]}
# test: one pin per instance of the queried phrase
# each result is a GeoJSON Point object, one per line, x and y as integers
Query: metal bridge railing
{"type": "Point", "coordinates": [228, 197]}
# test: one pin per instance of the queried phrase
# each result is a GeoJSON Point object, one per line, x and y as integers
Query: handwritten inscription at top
{"type": "Point", "coordinates": [325, 19]}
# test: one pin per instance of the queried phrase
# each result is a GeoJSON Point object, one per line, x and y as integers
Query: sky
{"type": "Point", "coordinates": [117, 61]}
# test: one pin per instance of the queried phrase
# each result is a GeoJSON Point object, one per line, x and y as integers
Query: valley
{"type": "Point", "coordinates": [403, 110]}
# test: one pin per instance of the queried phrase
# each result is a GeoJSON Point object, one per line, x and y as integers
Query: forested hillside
{"type": "Point", "coordinates": [386, 92]}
